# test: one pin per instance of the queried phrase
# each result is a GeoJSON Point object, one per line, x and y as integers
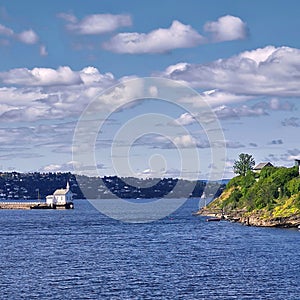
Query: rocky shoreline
{"type": "Point", "coordinates": [253, 219]}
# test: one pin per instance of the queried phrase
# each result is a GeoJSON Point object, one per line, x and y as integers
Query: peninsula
{"type": "Point", "coordinates": [264, 196]}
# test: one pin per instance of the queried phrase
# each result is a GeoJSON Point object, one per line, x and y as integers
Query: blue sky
{"type": "Point", "coordinates": [242, 57]}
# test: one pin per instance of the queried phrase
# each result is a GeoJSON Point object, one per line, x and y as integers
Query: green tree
{"type": "Point", "coordinates": [293, 186]}
{"type": "Point", "coordinates": [244, 164]}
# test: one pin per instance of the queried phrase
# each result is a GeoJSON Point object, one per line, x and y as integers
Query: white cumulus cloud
{"type": "Point", "coordinates": [161, 40]}
{"type": "Point", "coordinates": [259, 55]}
{"type": "Point", "coordinates": [269, 71]}
{"type": "Point", "coordinates": [41, 76]}
{"type": "Point", "coordinates": [227, 28]}
{"type": "Point", "coordinates": [96, 23]}
{"type": "Point", "coordinates": [28, 37]}
{"type": "Point", "coordinates": [185, 119]}
{"type": "Point", "coordinates": [45, 93]}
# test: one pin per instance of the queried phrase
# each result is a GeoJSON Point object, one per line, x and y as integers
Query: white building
{"type": "Point", "coordinates": [61, 197]}
{"type": "Point", "coordinates": [297, 163]}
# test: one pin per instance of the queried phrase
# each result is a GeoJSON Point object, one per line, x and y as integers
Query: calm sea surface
{"type": "Point", "coordinates": [82, 254]}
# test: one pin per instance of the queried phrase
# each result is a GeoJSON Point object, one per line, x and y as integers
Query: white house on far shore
{"type": "Point", "coordinates": [60, 197]}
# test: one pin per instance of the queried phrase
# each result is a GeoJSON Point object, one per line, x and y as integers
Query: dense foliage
{"type": "Point", "coordinates": [272, 188]}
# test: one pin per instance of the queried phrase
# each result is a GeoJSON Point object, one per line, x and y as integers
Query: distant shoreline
{"type": "Point", "coordinates": [16, 186]}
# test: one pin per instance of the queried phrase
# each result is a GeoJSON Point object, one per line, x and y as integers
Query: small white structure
{"type": "Point", "coordinates": [297, 163]}
{"type": "Point", "coordinates": [61, 197]}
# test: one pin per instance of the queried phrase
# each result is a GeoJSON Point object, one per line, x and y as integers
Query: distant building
{"type": "Point", "coordinates": [61, 197]}
{"type": "Point", "coordinates": [260, 166]}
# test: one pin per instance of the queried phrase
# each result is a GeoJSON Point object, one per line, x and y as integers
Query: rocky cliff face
{"type": "Point", "coordinates": [256, 220]}
{"type": "Point", "coordinates": [253, 219]}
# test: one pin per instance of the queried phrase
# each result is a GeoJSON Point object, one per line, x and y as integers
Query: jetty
{"type": "Point", "coordinates": [20, 205]}
{"type": "Point", "coordinates": [34, 205]}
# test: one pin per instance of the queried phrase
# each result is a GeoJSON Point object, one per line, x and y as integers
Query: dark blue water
{"type": "Point", "coordinates": [81, 254]}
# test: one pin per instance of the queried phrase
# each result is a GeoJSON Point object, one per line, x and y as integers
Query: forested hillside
{"type": "Point", "coordinates": [273, 193]}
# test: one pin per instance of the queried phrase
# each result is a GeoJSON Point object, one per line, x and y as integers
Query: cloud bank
{"type": "Point", "coordinates": [51, 93]}
{"type": "Point", "coordinates": [269, 71]}
{"type": "Point", "coordinates": [45, 93]}
{"type": "Point", "coordinates": [178, 35]}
